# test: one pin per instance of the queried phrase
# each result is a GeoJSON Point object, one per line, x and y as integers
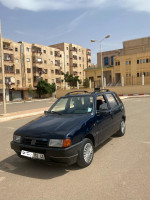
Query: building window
{"type": "Point", "coordinates": [18, 82]}
{"type": "Point", "coordinates": [79, 58]}
{"type": "Point", "coordinates": [106, 61]}
{"type": "Point", "coordinates": [17, 71]}
{"type": "Point", "coordinates": [53, 81]}
{"type": "Point", "coordinates": [51, 53]}
{"type": "Point", "coordinates": [16, 49]}
{"type": "Point", "coordinates": [146, 60]}
{"type": "Point", "coordinates": [28, 70]}
{"type": "Point", "coordinates": [118, 63]}
{"type": "Point", "coordinates": [52, 71]}
{"type": "Point", "coordinates": [27, 49]}
{"type": "Point", "coordinates": [138, 62]}
{"type": "Point", "coordinates": [91, 78]}
{"type": "Point", "coordinates": [147, 73]}
{"type": "Point", "coordinates": [9, 69]}
{"type": "Point", "coordinates": [16, 60]}
{"type": "Point", "coordinates": [44, 51]}
{"type": "Point", "coordinates": [127, 62]}
{"type": "Point", "coordinates": [138, 75]}
{"type": "Point", "coordinates": [29, 80]}
{"type": "Point", "coordinates": [28, 59]}
{"type": "Point", "coordinates": [45, 71]}
{"type": "Point", "coordinates": [112, 60]}
{"type": "Point", "coordinates": [45, 61]}
{"type": "Point", "coordinates": [67, 48]}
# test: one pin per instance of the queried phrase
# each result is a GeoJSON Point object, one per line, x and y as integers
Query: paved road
{"type": "Point", "coordinates": [120, 169]}
{"type": "Point", "coordinates": [28, 105]}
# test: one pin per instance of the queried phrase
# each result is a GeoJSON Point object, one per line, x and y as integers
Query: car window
{"type": "Point", "coordinates": [112, 102]}
{"type": "Point", "coordinates": [74, 105]}
{"type": "Point", "coordinates": [101, 103]}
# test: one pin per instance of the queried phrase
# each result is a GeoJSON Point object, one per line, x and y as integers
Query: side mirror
{"type": "Point", "coordinates": [45, 112]}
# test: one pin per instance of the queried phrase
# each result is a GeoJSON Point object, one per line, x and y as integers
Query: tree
{"type": "Point", "coordinates": [45, 88]}
{"type": "Point", "coordinates": [30, 90]}
{"type": "Point", "coordinates": [86, 83]}
{"type": "Point", "coordinates": [71, 80]}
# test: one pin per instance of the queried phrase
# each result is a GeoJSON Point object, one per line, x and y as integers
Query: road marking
{"type": "Point", "coordinates": [2, 178]}
{"type": "Point", "coordinates": [146, 142]}
{"type": "Point", "coordinates": [9, 166]}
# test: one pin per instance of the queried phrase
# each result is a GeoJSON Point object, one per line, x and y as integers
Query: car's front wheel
{"type": "Point", "coordinates": [86, 153]}
{"type": "Point", "coordinates": [122, 129]}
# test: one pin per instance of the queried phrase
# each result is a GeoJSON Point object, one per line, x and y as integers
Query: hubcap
{"type": "Point", "coordinates": [88, 152]}
{"type": "Point", "coordinates": [123, 126]}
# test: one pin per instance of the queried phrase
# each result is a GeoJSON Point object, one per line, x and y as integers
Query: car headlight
{"type": "Point", "coordinates": [17, 139]}
{"type": "Point", "coordinates": [59, 143]}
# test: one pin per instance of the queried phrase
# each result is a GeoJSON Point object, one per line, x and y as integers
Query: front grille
{"type": "Point", "coordinates": [38, 142]}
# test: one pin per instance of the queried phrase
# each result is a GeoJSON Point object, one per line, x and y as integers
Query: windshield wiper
{"type": "Point", "coordinates": [56, 112]}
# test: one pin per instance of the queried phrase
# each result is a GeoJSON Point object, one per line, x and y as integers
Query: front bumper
{"type": "Point", "coordinates": [52, 155]}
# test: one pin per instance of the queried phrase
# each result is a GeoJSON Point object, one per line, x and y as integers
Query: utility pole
{"type": "Point", "coordinates": [3, 75]}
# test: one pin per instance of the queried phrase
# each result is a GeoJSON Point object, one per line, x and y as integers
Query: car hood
{"type": "Point", "coordinates": [51, 126]}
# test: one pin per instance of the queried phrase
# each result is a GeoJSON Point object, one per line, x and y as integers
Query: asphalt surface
{"type": "Point", "coordinates": [27, 105]}
{"type": "Point", "coordinates": [120, 169]}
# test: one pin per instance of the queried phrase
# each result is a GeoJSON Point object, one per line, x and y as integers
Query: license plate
{"type": "Point", "coordinates": [33, 155]}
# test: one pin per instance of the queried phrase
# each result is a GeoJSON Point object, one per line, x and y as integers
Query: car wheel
{"type": "Point", "coordinates": [86, 153]}
{"type": "Point", "coordinates": [122, 129]}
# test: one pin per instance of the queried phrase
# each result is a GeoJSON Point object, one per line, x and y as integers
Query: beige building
{"type": "Point", "coordinates": [124, 66]}
{"type": "Point", "coordinates": [76, 59]}
{"type": "Point", "coordinates": [25, 64]}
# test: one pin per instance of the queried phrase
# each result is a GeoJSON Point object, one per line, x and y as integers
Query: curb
{"type": "Point", "coordinates": [19, 116]}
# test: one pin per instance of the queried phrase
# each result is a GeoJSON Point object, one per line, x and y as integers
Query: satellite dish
{"type": "Point", "coordinates": [12, 79]}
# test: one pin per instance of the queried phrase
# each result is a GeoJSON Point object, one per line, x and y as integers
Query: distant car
{"type": "Point", "coordinates": [71, 129]}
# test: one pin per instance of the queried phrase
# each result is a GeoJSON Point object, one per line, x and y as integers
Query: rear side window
{"type": "Point", "coordinates": [112, 101]}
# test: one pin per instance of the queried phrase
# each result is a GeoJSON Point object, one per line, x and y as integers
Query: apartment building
{"type": "Point", "coordinates": [76, 59]}
{"type": "Point", "coordinates": [25, 64]}
{"type": "Point", "coordinates": [127, 64]}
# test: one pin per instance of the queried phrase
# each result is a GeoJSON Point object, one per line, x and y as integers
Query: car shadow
{"type": "Point", "coordinates": [34, 169]}
{"type": "Point", "coordinates": [103, 144]}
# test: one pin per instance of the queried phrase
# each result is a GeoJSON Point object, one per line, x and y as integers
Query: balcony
{"type": "Point", "coordinates": [89, 53]}
{"type": "Point", "coordinates": [75, 57]}
{"type": "Point", "coordinates": [58, 72]}
{"type": "Point", "coordinates": [74, 65]}
{"type": "Point", "coordinates": [58, 80]}
{"type": "Point", "coordinates": [36, 49]}
{"type": "Point", "coordinates": [89, 60]}
{"type": "Point", "coordinates": [57, 54]}
{"type": "Point", "coordinates": [57, 63]}
{"type": "Point", "coordinates": [9, 69]}
{"type": "Point", "coordinates": [8, 57]}
{"type": "Point", "coordinates": [75, 73]}
{"type": "Point", "coordinates": [37, 60]}
{"type": "Point", "coordinates": [74, 49]}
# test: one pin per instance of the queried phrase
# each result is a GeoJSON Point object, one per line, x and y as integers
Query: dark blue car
{"type": "Point", "coordinates": [71, 129]}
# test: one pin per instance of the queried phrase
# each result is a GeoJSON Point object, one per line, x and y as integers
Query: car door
{"type": "Point", "coordinates": [115, 111]}
{"type": "Point", "coordinates": [104, 119]}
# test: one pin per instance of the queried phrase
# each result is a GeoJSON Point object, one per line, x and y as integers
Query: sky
{"type": "Point", "coordinates": [49, 22]}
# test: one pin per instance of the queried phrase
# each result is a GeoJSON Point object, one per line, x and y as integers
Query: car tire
{"type": "Point", "coordinates": [86, 153]}
{"type": "Point", "coordinates": [122, 129]}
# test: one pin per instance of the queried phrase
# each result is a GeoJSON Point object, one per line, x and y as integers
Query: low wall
{"type": "Point", "coordinates": [126, 90]}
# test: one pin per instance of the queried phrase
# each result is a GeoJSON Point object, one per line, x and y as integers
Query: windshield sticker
{"type": "Point", "coordinates": [89, 109]}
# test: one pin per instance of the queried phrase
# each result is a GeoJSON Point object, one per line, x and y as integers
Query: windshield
{"type": "Point", "coordinates": [73, 105]}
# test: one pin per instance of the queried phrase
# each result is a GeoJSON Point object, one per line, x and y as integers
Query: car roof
{"type": "Point", "coordinates": [86, 93]}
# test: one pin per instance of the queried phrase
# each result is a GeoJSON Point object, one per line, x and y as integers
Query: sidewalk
{"type": "Point", "coordinates": [22, 114]}
{"type": "Point", "coordinates": [40, 111]}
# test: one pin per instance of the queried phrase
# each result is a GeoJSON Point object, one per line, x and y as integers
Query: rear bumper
{"type": "Point", "coordinates": [66, 156]}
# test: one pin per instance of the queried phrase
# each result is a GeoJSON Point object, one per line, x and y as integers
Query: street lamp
{"type": "Point", "coordinates": [100, 41]}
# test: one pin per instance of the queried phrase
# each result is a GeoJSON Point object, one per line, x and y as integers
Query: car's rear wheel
{"type": "Point", "coordinates": [86, 153]}
{"type": "Point", "coordinates": [122, 129]}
